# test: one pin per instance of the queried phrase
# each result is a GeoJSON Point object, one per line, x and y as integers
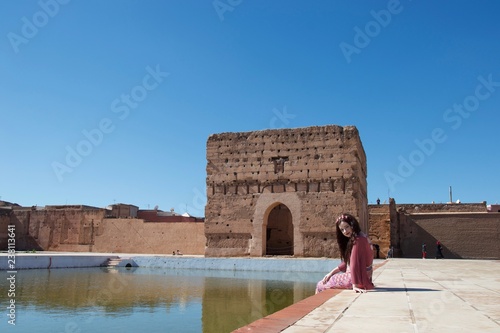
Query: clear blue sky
{"type": "Point", "coordinates": [113, 101]}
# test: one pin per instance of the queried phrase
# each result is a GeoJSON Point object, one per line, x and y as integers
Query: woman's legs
{"type": "Point", "coordinates": [338, 281]}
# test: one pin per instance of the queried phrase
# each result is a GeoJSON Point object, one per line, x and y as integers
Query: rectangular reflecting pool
{"type": "Point", "coordinates": [149, 300]}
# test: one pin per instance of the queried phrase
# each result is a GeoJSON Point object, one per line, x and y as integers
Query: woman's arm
{"type": "Point", "coordinates": [329, 275]}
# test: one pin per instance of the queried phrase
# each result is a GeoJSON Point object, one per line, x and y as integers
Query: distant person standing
{"type": "Point", "coordinates": [439, 250]}
{"type": "Point", "coordinates": [390, 253]}
{"type": "Point", "coordinates": [424, 250]}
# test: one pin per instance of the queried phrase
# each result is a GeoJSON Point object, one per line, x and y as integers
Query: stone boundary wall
{"type": "Point", "coordinates": [380, 226]}
{"type": "Point", "coordinates": [137, 236]}
{"type": "Point", "coordinates": [441, 207]}
{"type": "Point", "coordinates": [4, 222]}
{"type": "Point", "coordinates": [86, 230]}
{"type": "Point", "coordinates": [198, 265]}
{"type": "Point", "coordinates": [43, 260]}
{"type": "Point", "coordinates": [224, 266]}
{"type": "Point", "coordinates": [465, 230]}
{"type": "Point", "coordinates": [463, 235]}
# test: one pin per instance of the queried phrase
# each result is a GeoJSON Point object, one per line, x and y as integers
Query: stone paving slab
{"type": "Point", "coordinates": [415, 295]}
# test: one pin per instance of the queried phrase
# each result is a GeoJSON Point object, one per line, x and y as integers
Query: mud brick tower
{"type": "Point", "coordinates": [278, 192]}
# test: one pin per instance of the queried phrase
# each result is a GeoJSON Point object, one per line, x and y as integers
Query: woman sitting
{"type": "Point", "coordinates": [355, 270]}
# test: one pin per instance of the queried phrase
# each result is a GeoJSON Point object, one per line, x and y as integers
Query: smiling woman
{"type": "Point", "coordinates": [355, 270]}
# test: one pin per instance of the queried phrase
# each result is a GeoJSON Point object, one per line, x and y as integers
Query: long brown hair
{"type": "Point", "coordinates": [345, 243]}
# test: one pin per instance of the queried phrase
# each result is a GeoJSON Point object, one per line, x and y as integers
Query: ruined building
{"type": "Point", "coordinates": [278, 192]}
{"type": "Point", "coordinates": [272, 192]}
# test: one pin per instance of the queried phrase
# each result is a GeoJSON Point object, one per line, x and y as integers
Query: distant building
{"type": "Point", "coordinates": [122, 211]}
{"type": "Point", "coordinates": [494, 208]}
{"type": "Point", "coordinates": [156, 215]}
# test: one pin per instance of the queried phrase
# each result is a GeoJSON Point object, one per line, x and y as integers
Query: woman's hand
{"type": "Point", "coordinates": [329, 275]}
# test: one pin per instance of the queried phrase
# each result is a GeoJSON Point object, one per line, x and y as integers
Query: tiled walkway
{"type": "Point", "coordinates": [412, 295]}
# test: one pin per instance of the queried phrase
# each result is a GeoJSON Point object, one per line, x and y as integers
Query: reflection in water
{"type": "Point", "coordinates": [126, 300]}
{"type": "Point", "coordinates": [232, 303]}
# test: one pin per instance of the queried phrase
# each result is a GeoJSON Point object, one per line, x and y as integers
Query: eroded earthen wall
{"type": "Point", "coordinates": [137, 236]}
{"type": "Point", "coordinates": [463, 235]}
{"type": "Point", "coordinates": [86, 230]}
{"type": "Point", "coordinates": [4, 226]}
{"type": "Point", "coordinates": [64, 229]}
{"type": "Point", "coordinates": [380, 228]}
{"type": "Point", "coordinates": [466, 230]}
{"type": "Point", "coordinates": [316, 172]}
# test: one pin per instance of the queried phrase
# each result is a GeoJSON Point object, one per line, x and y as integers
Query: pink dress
{"type": "Point", "coordinates": [358, 272]}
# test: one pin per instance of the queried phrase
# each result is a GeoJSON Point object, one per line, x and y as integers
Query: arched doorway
{"type": "Point", "coordinates": [279, 231]}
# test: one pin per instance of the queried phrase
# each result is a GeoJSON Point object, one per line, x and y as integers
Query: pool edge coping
{"type": "Point", "coordinates": [283, 319]}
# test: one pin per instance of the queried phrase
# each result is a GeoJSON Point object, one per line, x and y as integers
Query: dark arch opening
{"type": "Point", "coordinates": [279, 231]}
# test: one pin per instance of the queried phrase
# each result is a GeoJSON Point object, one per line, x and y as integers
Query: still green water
{"type": "Point", "coordinates": [148, 300]}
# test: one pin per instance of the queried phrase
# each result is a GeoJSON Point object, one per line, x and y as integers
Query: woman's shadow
{"type": "Point", "coordinates": [392, 289]}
